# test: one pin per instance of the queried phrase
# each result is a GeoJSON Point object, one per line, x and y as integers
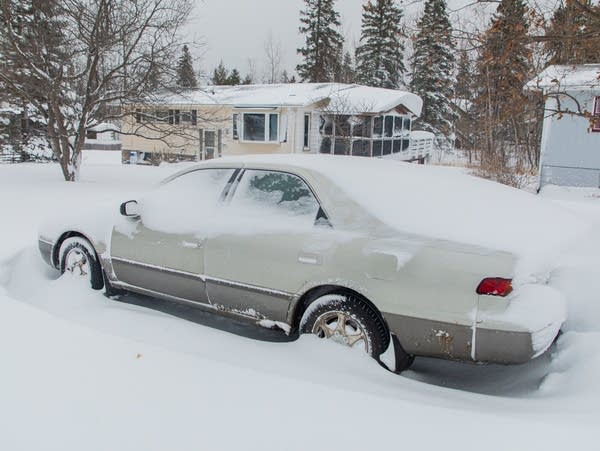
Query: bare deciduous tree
{"type": "Point", "coordinates": [273, 59]}
{"type": "Point", "coordinates": [77, 62]}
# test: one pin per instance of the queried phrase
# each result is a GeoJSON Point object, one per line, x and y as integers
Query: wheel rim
{"type": "Point", "coordinates": [341, 328]}
{"type": "Point", "coordinates": [77, 263]}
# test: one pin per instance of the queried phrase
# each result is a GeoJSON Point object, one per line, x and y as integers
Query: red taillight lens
{"type": "Point", "coordinates": [495, 286]}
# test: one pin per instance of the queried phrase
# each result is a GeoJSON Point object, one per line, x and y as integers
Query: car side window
{"type": "Point", "coordinates": [185, 202]}
{"type": "Point", "coordinates": [276, 193]}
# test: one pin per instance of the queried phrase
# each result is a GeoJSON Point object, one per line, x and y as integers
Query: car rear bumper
{"type": "Point", "coordinates": [423, 337]}
{"type": "Point", "coordinates": [508, 347]}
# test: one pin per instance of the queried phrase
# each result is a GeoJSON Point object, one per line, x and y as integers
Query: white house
{"type": "Point", "coordinates": [280, 118]}
{"type": "Point", "coordinates": [570, 147]}
{"type": "Point", "coordinates": [103, 136]}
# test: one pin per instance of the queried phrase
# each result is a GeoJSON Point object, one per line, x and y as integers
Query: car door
{"type": "Point", "coordinates": [162, 251]}
{"type": "Point", "coordinates": [265, 252]}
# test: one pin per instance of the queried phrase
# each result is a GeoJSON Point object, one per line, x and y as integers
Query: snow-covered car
{"type": "Point", "coordinates": [364, 252]}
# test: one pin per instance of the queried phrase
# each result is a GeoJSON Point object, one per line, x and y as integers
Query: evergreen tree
{"type": "Point", "coordinates": [247, 80]}
{"type": "Point", "coordinates": [379, 56]}
{"type": "Point", "coordinates": [186, 78]}
{"type": "Point", "coordinates": [220, 75]}
{"type": "Point", "coordinates": [320, 23]}
{"type": "Point", "coordinates": [433, 71]}
{"type": "Point", "coordinates": [234, 78]}
{"type": "Point", "coordinates": [463, 89]}
{"type": "Point", "coordinates": [574, 35]}
{"type": "Point", "coordinates": [346, 73]}
{"type": "Point", "coordinates": [503, 67]}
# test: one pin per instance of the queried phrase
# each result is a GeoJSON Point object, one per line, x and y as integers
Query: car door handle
{"type": "Point", "coordinates": [309, 259]}
{"type": "Point", "coordinates": [193, 244]}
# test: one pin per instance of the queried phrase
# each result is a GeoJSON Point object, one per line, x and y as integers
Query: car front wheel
{"type": "Point", "coordinates": [77, 257]}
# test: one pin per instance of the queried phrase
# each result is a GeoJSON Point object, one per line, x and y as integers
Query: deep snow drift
{"type": "Point", "coordinates": [80, 371]}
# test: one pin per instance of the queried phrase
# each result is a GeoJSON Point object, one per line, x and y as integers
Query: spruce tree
{"type": "Point", "coordinates": [234, 78]}
{"type": "Point", "coordinates": [220, 75]}
{"type": "Point", "coordinates": [463, 89]}
{"type": "Point", "coordinates": [379, 56]}
{"type": "Point", "coordinates": [573, 34]}
{"type": "Point", "coordinates": [433, 71]}
{"type": "Point", "coordinates": [186, 78]}
{"type": "Point", "coordinates": [503, 67]}
{"type": "Point", "coordinates": [320, 23]}
{"type": "Point", "coordinates": [347, 72]}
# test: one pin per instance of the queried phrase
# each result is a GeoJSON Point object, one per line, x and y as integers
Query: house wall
{"type": "Point", "coordinates": [215, 118]}
{"type": "Point", "coordinates": [570, 151]}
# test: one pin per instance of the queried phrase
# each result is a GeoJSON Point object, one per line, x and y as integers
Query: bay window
{"type": "Point", "coordinates": [260, 127]}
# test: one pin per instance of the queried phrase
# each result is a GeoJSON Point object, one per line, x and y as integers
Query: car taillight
{"type": "Point", "coordinates": [495, 286]}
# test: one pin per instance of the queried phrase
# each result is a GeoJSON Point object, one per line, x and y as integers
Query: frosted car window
{"type": "Point", "coordinates": [183, 204]}
{"type": "Point", "coordinates": [275, 193]}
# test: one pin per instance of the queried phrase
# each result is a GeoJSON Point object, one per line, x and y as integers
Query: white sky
{"type": "Point", "coordinates": [235, 30]}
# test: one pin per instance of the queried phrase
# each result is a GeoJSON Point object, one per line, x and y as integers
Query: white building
{"type": "Point", "coordinates": [281, 118]}
{"type": "Point", "coordinates": [570, 147]}
{"type": "Point", "coordinates": [103, 136]}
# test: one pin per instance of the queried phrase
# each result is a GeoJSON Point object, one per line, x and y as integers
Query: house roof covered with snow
{"type": "Point", "coordinates": [574, 77]}
{"type": "Point", "coordinates": [336, 97]}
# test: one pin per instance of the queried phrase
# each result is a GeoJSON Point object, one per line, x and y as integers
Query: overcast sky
{"type": "Point", "coordinates": [235, 30]}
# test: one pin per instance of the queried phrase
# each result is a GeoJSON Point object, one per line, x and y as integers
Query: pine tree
{"type": "Point", "coordinates": [347, 73]}
{"type": "Point", "coordinates": [247, 80]}
{"type": "Point", "coordinates": [503, 67]}
{"type": "Point", "coordinates": [379, 56]}
{"type": "Point", "coordinates": [186, 78]}
{"type": "Point", "coordinates": [574, 35]}
{"type": "Point", "coordinates": [433, 71]}
{"type": "Point", "coordinates": [320, 23]}
{"type": "Point", "coordinates": [234, 78]}
{"type": "Point", "coordinates": [220, 75]}
{"type": "Point", "coordinates": [463, 89]}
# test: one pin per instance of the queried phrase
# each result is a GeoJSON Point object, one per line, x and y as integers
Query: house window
{"type": "Point", "coordinates": [210, 138]}
{"type": "Point", "coordinates": [364, 135]}
{"type": "Point", "coordinates": [91, 134]}
{"type": "Point", "coordinates": [234, 127]}
{"type": "Point", "coordinates": [260, 127]}
{"type": "Point", "coordinates": [306, 131]}
{"type": "Point", "coordinates": [190, 117]}
{"type": "Point", "coordinates": [596, 123]}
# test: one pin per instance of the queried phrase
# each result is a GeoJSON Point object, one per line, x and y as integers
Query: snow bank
{"type": "Point", "coordinates": [87, 373]}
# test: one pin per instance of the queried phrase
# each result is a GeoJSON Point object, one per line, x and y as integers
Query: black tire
{"type": "Point", "coordinates": [83, 248]}
{"type": "Point", "coordinates": [358, 313]}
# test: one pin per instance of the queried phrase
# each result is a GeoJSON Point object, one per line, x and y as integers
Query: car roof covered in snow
{"type": "Point", "coordinates": [338, 97]}
{"type": "Point", "coordinates": [431, 201]}
{"type": "Point", "coordinates": [580, 76]}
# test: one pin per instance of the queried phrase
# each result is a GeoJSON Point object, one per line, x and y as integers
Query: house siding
{"type": "Point", "coordinates": [570, 151]}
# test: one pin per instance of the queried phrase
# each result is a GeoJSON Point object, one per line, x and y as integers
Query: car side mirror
{"type": "Point", "coordinates": [130, 208]}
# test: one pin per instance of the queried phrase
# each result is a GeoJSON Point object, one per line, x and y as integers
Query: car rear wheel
{"type": "Point", "coordinates": [347, 320]}
{"type": "Point", "coordinates": [77, 257]}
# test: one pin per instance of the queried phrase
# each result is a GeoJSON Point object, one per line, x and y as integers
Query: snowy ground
{"type": "Point", "coordinates": [81, 372]}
